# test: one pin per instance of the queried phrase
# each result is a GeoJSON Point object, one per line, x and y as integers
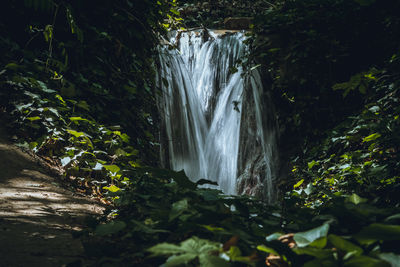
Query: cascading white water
{"type": "Point", "coordinates": [201, 104]}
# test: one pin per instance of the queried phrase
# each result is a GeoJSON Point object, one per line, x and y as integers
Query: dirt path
{"type": "Point", "coordinates": [37, 215]}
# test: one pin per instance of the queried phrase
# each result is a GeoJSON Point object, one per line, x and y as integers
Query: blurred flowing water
{"type": "Point", "coordinates": [202, 112]}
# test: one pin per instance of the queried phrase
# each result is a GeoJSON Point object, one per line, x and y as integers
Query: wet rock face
{"type": "Point", "coordinates": [258, 155]}
{"type": "Point", "coordinates": [238, 23]}
{"type": "Point", "coordinates": [250, 182]}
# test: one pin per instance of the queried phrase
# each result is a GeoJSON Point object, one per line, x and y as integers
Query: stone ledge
{"type": "Point", "coordinates": [238, 23]}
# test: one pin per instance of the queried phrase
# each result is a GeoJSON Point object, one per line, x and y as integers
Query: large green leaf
{"type": "Point", "coordinates": [392, 258]}
{"type": "Point", "coordinates": [304, 239]}
{"type": "Point", "coordinates": [377, 231]}
{"type": "Point", "coordinates": [316, 252]}
{"type": "Point", "coordinates": [344, 245]}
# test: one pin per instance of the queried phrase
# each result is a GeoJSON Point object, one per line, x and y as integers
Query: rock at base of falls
{"type": "Point", "coordinates": [258, 154]}
{"type": "Point", "coordinates": [252, 179]}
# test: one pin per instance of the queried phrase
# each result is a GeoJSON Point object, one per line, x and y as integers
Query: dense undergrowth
{"type": "Point", "coordinates": [77, 87]}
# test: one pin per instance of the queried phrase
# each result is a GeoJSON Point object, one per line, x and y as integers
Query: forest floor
{"type": "Point", "coordinates": [38, 215]}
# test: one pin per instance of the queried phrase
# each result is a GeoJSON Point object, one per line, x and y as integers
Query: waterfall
{"type": "Point", "coordinates": [203, 90]}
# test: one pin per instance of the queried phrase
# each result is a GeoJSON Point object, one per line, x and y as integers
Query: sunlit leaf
{"type": "Point", "coordinates": [77, 119]}
{"type": "Point", "coordinates": [371, 137]}
{"type": "Point", "coordinates": [112, 188]}
{"type": "Point", "coordinates": [33, 118]}
{"type": "Point", "coordinates": [112, 168]}
{"type": "Point", "coordinates": [356, 199]}
{"type": "Point", "coordinates": [304, 239]}
{"type": "Point", "coordinates": [268, 250]}
{"type": "Point", "coordinates": [299, 183]}
{"type": "Point", "coordinates": [75, 133]}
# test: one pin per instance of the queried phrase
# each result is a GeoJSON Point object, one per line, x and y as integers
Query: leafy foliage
{"type": "Point", "coordinates": [80, 91]}
{"type": "Point", "coordinates": [57, 88]}
{"type": "Point", "coordinates": [360, 155]}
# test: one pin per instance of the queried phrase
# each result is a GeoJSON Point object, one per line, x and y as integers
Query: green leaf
{"type": "Point", "coordinates": [319, 243]}
{"type": "Point", "coordinates": [183, 259]}
{"type": "Point", "coordinates": [213, 228]}
{"type": "Point", "coordinates": [365, 261]}
{"type": "Point", "coordinates": [208, 260]}
{"type": "Point", "coordinates": [298, 183]}
{"type": "Point", "coordinates": [376, 231]}
{"type": "Point", "coordinates": [77, 119]}
{"type": "Point", "coordinates": [371, 137]}
{"type": "Point", "coordinates": [273, 236]}
{"type": "Point", "coordinates": [165, 249]}
{"type": "Point", "coordinates": [75, 133]}
{"type": "Point", "coordinates": [392, 258]}
{"type": "Point", "coordinates": [182, 180]}
{"type": "Point", "coordinates": [112, 188]}
{"type": "Point", "coordinates": [33, 118]}
{"type": "Point", "coordinates": [199, 245]}
{"type": "Point", "coordinates": [344, 245]}
{"type": "Point", "coordinates": [33, 145]}
{"type": "Point", "coordinates": [356, 199]}
{"type": "Point", "coordinates": [84, 105]}
{"type": "Point", "coordinates": [268, 250]}
{"type": "Point", "coordinates": [174, 11]}
{"type": "Point", "coordinates": [110, 228]}
{"type": "Point", "coordinates": [143, 228]}
{"type": "Point", "coordinates": [112, 168]}
{"type": "Point", "coordinates": [311, 164]}
{"type": "Point", "coordinates": [12, 66]}
{"type": "Point", "coordinates": [304, 239]}
{"type": "Point", "coordinates": [192, 248]}
{"type": "Point", "coordinates": [315, 252]}
{"type": "Point", "coordinates": [44, 88]}
{"type": "Point", "coordinates": [178, 208]}
{"type": "Point", "coordinates": [393, 217]}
